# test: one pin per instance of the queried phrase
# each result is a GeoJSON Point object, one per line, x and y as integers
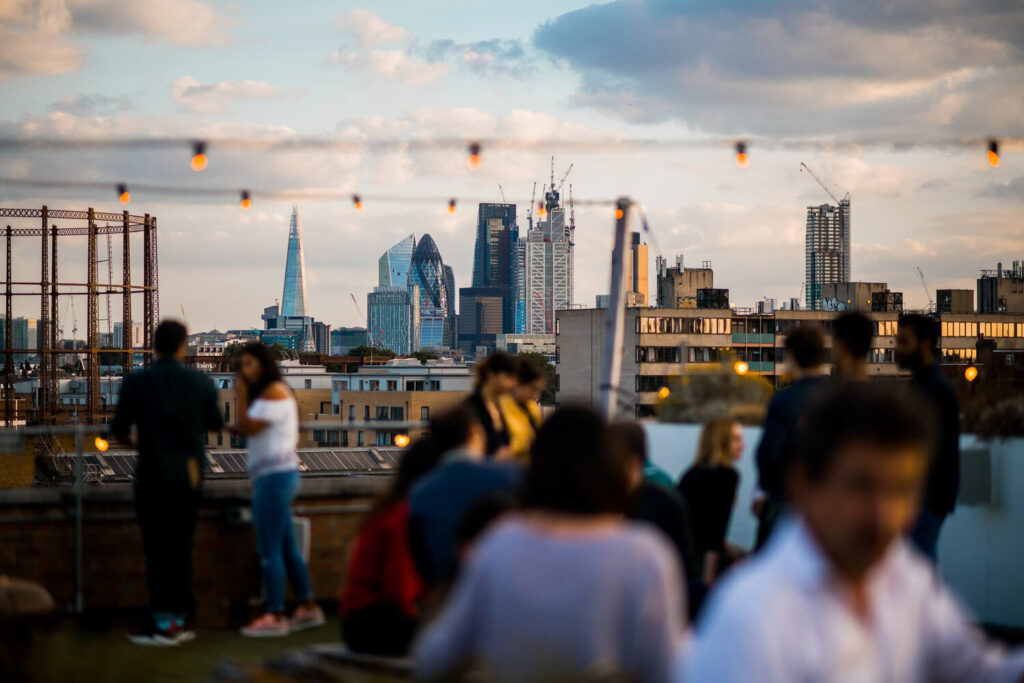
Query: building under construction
{"type": "Point", "coordinates": [53, 228]}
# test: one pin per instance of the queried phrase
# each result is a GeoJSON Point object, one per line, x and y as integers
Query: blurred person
{"type": "Point", "coordinates": [852, 333]}
{"type": "Point", "coordinates": [439, 500]}
{"type": "Point", "coordinates": [268, 416]}
{"type": "Point", "coordinates": [520, 408]}
{"type": "Point", "coordinates": [380, 608]}
{"type": "Point", "coordinates": [917, 342]}
{"type": "Point", "coordinates": [480, 517]}
{"type": "Point", "coordinates": [709, 486]}
{"type": "Point", "coordinates": [839, 594]}
{"type": "Point", "coordinates": [171, 408]}
{"type": "Point", "coordinates": [658, 505]}
{"type": "Point", "coordinates": [804, 364]}
{"type": "Point", "coordinates": [567, 588]}
{"type": "Point", "coordinates": [496, 375]}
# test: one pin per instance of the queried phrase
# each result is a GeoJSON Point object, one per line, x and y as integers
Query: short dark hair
{"type": "Point", "coordinates": [855, 331]}
{"type": "Point", "coordinates": [924, 327]}
{"type": "Point", "coordinates": [452, 428]}
{"type": "Point", "coordinates": [859, 412]}
{"type": "Point", "coordinates": [573, 469]}
{"type": "Point", "coordinates": [496, 363]}
{"type": "Point", "coordinates": [630, 438]}
{"type": "Point", "coordinates": [806, 344]}
{"type": "Point", "coordinates": [168, 338]}
{"type": "Point", "coordinates": [529, 370]}
{"type": "Point", "coordinates": [269, 371]}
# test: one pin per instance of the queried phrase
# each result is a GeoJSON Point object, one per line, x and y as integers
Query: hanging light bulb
{"type": "Point", "coordinates": [971, 373]}
{"type": "Point", "coordinates": [619, 213]}
{"type": "Point", "coordinates": [401, 440]}
{"type": "Point", "coordinates": [541, 211]}
{"type": "Point", "coordinates": [122, 194]}
{"type": "Point", "coordinates": [993, 153]}
{"type": "Point", "coordinates": [101, 444]}
{"type": "Point", "coordinates": [357, 202]}
{"type": "Point", "coordinates": [199, 160]}
{"type": "Point", "coordinates": [473, 162]}
{"type": "Point", "coordinates": [246, 200]}
{"type": "Point", "coordinates": [664, 393]}
{"type": "Point", "coordinates": [451, 206]}
{"type": "Point", "coordinates": [740, 367]}
{"type": "Point", "coordinates": [742, 160]}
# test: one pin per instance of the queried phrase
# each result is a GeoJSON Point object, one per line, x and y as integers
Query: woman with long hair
{"type": "Point", "coordinates": [380, 608]}
{"type": "Point", "coordinates": [567, 588]}
{"type": "Point", "coordinates": [520, 408]}
{"type": "Point", "coordinates": [496, 375]}
{"type": "Point", "coordinates": [709, 486]}
{"type": "Point", "coordinates": [268, 415]}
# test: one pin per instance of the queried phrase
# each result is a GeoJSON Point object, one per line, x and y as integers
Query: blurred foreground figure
{"type": "Point", "coordinates": [566, 589]}
{"type": "Point", "coordinates": [171, 408]}
{"type": "Point", "coordinates": [520, 408]}
{"type": "Point", "coordinates": [916, 350]}
{"type": "Point", "coordinates": [852, 333]}
{"type": "Point", "coordinates": [839, 594]}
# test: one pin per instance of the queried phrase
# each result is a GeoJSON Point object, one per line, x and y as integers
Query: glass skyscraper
{"type": "Point", "coordinates": [494, 256]}
{"type": "Point", "coordinates": [548, 267]}
{"type": "Point", "coordinates": [293, 301]}
{"type": "Point", "coordinates": [392, 316]}
{"type": "Point", "coordinates": [393, 265]}
{"type": "Point", "coordinates": [427, 274]}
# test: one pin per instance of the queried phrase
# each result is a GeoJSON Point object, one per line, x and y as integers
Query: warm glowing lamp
{"type": "Point", "coordinates": [401, 440]}
{"type": "Point", "coordinates": [993, 153]}
{"type": "Point", "coordinates": [451, 206]}
{"type": "Point", "coordinates": [740, 367]}
{"type": "Point", "coordinates": [663, 393]}
{"type": "Point", "coordinates": [619, 213]}
{"type": "Point", "coordinates": [473, 162]}
{"type": "Point", "coordinates": [357, 202]}
{"type": "Point", "coordinates": [742, 160]}
{"type": "Point", "coordinates": [199, 160]}
{"type": "Point", "coordinates": [123, 195]}
{"type": "Point", "coordinates": [246, 200]}
{"type": "Point", "coordinates": [971, 373]}
{"type": "Point", "coordinates": [101, 444]}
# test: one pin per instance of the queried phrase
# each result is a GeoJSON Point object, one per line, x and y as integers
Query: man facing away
{"type": "Point", "coordinates": [172, 408]}
{"type": "Point", "coordinates": [916, 350]}
{"type": "Point", "coordinates": [839, 594]}
{"type": "Point", "coordinates": [851, 342]}
{"type": "Point", "coordinates": [804, 364]}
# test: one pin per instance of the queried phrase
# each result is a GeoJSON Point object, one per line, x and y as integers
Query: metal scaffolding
{"type": "Point", "coordinates": [48, 408]}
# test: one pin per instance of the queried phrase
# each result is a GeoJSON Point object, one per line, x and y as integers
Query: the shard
{"type": "Point", "coordinates": [293, 301]}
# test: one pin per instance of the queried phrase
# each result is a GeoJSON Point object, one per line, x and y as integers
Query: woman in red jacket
{"type": "Point", "coordinates": [380, 601]}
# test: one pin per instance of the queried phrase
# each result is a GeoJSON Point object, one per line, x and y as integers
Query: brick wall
{"type": "Point", "coordinates": [37, 541]}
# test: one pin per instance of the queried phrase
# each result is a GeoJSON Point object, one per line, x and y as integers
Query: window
{"type": "Point", "coordinates": [351, 413]}
{"type": "Point", "coordinates": [392, 385]}
{"type": "Point", "coordinates": [423, 385]}
{"type": "Point", "coordinates": [382, 413]}
{"type": "Point", "coordinates": [220, 439]}
{"type": "Point", "coordinates": [424, 413]}
{"type": "Point", "coordinates": [657, 354]}
{"type": "Point", "coordinates": [309, 384]}
{"type": "Point", "coordinates": [397, 413]}
{"type": "Point", "coordinates": [886, 328]}
{"type": "Point", "coordinates": [383, 439]}
{"type": "Point", "coordinates": [318, 437]}
{"type": "Point", "coordinates": [359, 438]}
{"type": "Point", "coordinates": [344, 439]}
{"type": "Point", "coordinates": [366, 412]}
{"type": "Point", "coordinates": [333, 438]}
{"type": "Point", "coordinates": [651, 382]}
{"type": "Point", "coordinates": [881, 356]}
{"type": "Point", "coordinates": [227, 411]}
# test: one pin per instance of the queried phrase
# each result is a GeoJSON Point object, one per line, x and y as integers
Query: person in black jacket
{"type": "Point", "coordinates": [804, 364]}
{"type": "Point", "coordinates": [172, 408]}
{"type": "Point", "coordinates": [496, 375]}
{"type": "Point", "coordinates": [916, 350]}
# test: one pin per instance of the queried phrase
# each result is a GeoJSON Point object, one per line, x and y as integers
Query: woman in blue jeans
{"type": "Point", "coordinates": [271, 423]}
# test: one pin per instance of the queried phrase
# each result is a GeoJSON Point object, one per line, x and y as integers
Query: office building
{"type": "Point", "coordinates": [543, 344]}
{"type": "Point", "coordinates": [294, 300]}
{"type": "Point", "coordinates": [451, 339]}
{"type": "Point", "coordinates": [392, 317]}
{"type": "Point", "coordinates": [393, 265]}
{"type": "Point", "coordinates": [827, 249]}
{"type": "Point", "coordinates": [345, 338]}
{"type": "Point", "coordinates": [494, 256]}
{"type": "Point", "coordinates": [677, 285]}
{"type": "Point", "coordinates": [24, 335]}
{"type": "Point", "coordinates": [136, 336]}
{"type": "Point", "coordinates": [548, 267]}
{"type": "Point", "coordinates": [427, 275]}
{"type": "Point", "coordinates": [954, 301]}
{"type": "Point", "coordinates": [1002, 291]}
{"type": "Point", "coordinates": [481, 311]}
{"type": "Point", "coordinates": [321, 333]}
{"type": "Point", "coordinates": [636, 272]}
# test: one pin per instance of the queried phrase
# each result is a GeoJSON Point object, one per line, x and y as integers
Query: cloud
{"type": "Point", "coordinates": [798, 67]}
{"type": "Point", "coordinates": [91, 105]}
{"type": "Point", "coordinates": [397, 64]}
{"type": "Point", "coordinates": [213, 98]}
{"type": "Point", "coordinates": [369, 30]}
{"type": "Point", "coordinates": [187, 22]}
{"type": "Point", "coordinates": [32, 41]}
{"type": "Point", "coordinates": [1010, 189]}
{"type": "Point", "coordinates": [496, 57]}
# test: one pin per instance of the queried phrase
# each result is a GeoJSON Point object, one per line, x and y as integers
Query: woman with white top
{"type": "Point", "coordinates": [269, 416]}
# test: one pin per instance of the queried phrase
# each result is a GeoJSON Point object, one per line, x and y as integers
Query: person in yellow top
{"type": "Point", "coordinates": [521, 408]}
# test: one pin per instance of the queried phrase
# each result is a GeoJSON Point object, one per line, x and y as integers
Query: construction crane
{"type": "Point", "coordinates": [529, 213]}
{"type": "Point", "coordinates": [184, 318]}
{"type": "Point", "coordinates": [572, 219]}
{"type": "Point", "coordinates": [564, 176]}
{"type": "Point", "coordinates": [805, 167]}
{"type": "Point", "coordinates": [927, 292]}
{"type": "Point", "coordinates": [502, 191]}
{"type": "Point", "coordinates": [356, 304]}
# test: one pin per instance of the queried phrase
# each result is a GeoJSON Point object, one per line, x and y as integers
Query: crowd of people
{"type": "Point", "coordinates": [525, 548]}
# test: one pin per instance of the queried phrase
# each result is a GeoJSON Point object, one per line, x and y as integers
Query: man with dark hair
{"type": "Point", "coordinates": [840, 595]}
{"type": "Point", "coordinates": [917, 341]}
{"type": "Point", "coordinates": [804, 365]}
{"type": "Point", "coordinates": [851, 342]}
{"type": "Point", "coordinates": [171, 408]}
{"type": "Point", "coordinates": [438, 501]}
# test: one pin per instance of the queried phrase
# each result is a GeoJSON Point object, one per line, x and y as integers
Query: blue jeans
{"type": "Point", "coordinates": [925, 534]}
{"type": "Point", "coordinates": [275, 538]}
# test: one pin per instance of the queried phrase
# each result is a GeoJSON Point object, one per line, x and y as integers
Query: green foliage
{"type": "Point", "coordinates": [424, 356]}
{"type": "Point", "coordinates": [547, 397]}
{"type": "Point", "coordinates": [370, 351]}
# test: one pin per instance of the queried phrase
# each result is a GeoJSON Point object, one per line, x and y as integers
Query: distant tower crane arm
{"type": "Point", "coordinates": [820, 182]}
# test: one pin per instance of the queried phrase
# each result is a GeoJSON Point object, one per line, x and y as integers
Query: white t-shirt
{"type": "Point", "coordinates": [273, 449]}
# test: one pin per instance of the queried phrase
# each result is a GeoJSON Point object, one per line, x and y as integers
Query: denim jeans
{"type": "Point", "coordinates": [275, 538]}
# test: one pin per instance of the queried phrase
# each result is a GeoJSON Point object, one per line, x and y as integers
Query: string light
{"type": "Point", "coordinates": [474, 156]}
{"type": "Point", "coordinates": [122, 194]}
{"type": "Point", "coordinates": [740, 367]}
{"type": "Point", "coordinates": [619, 213]}
{"type": "Point", "coordinates": [663, 393]}
{"type": "Point", "coordinates": [357, 202]}
{"type": "Point", "coordinates": [101, 444]}
{"type": "Point", "coordinates": [451, 205]}
{"type": "Point", "coordinates": [971, 373]}
{"type": "Point", "coordinates": [541, 211]}
{"type": "Point", "coordinates": [199, 160]}
{"type": "Point", "coordinates": [993, 153]}
{"type": "Point", "coordinates": [401, 440]}
{"type": "Point", "coordinates": [742, 160]}
{"type": "Point", "coordinates": [246, 200]}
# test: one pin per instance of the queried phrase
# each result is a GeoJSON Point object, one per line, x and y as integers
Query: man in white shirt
{"type": "Point", "coordinates": [838, 594]}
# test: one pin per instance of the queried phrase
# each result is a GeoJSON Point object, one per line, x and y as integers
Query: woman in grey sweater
{"type": "Point", "coordinates": [567, 588]}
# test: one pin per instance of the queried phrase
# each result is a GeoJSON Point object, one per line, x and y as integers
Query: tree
{"type": "Point", "coordinates": [370, 351]}
{"type": "Point", "coordinates": [424, 356]}
{"type": "Point", "coordinates": [547, 396]}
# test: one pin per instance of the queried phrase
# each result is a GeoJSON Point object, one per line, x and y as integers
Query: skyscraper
{"type": "Point", "coordinates": [392, 317]}
{"type": "Point", "coordinates": [452, 328]}
{"type": "Point", "coordinates": [636, 268]}
{"type": "Point", "coordinates": [394, 264]}
{"type": "Point", "coordinates": [547, 267]}
{"type": "Point", "coordinates": [427, 274]}
{"type": "Point", "coordinates": [494, 256]}
{"type": "Point", "coordinates": [293, 301]}
{"type": "Point", "coordinates": [827, 248]}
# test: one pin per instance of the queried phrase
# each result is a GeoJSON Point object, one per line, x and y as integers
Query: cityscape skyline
{"type": "Point", "coordinates": [531, 75]}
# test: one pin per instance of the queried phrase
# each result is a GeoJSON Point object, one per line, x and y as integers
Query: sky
{"type": "Point", "coordinates": [916, 72]}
